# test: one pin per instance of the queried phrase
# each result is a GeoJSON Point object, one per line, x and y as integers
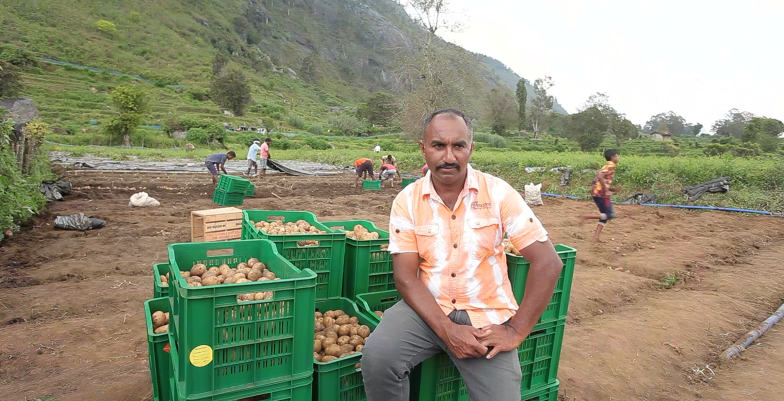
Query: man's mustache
{"type": "Point", "coordinates": [443, 165]}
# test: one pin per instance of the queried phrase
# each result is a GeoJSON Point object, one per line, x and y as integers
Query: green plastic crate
{"type": "Point", "coordinates": [250, 344]}
{"type": "Point", "coordinates": [326, 259]}
{"type": "Point", "coordinates": [251, 190]}
{"type": "Point", "coordinates": [374, 185]}
{"type": "Point", "coordinates": [232, 184]}
{"type": "Point", "coordinates": [288, 390]}
{"type": "Point", "coordinates": [407, 181]}
{"type": "Point", "coordinates": [559, 304]}
{"type": "Point", "coordinates": [368, 264]}
{"type": "Point", "coordinates": [340, 380]}
{"type": "Point", "coordinates": [549, 393]}
{"type": "Point", "coordinates": [159, 358]}
{"type": "Point", "coordinates": [377, 301]}
{"type": "Point", "coordinates": [228, 198]}
{"type": "Point", "coordinates": [158, 289]}
{"type": "Point", "coordinates": [437, 378]}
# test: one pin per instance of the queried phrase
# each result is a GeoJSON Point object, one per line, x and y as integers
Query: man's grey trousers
{"type": "Point", "coordinates": [403, 340]}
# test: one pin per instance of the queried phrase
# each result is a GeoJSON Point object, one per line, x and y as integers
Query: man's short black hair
{"type": "Point", "coordinates": [609, 153]}
{"type": "Point", "coordinates": [268, 139]}
{"type": "Point", "coordinates": [451, 112]}
{"type": "Point", "coordinates": [231, 153]}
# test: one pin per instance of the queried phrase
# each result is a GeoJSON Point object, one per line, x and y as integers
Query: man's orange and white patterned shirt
{"type": "Point", "coordinates": [462, 259]}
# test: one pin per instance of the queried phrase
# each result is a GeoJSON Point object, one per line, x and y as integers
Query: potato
{"type": "Point", "coordinates": [198, 269]}
{"type": "Point", "coordinates": [325, 343]}
{"type": "Point", "coordinates": [260, 265]}
{"type": "Point", "coordinates": [359, 348]}
{"type": "Point", "coordinates": [221, 279]}
{"type": "Point", "coordinates": [243, 265]}
{"type": "Point", "coordinates": [343, 340]}
{"type": "Point", "coordinates": [242, 280]}
{"type": "Point", "coordinates": [214, 270]}
{"type": "Point", "coordinates": [254, 275]}
{"type": "Point", "coordinates": [363, 331]}
{"type": "Point", "coordinates": [244, 271]}
{"type": "Point", "coordinates": [330, 314]}
{"type": "Point", "coordinates": [210, 281]}
{"type": "Point", "coordinates": [194, 284]}
{"type": "Point", "coordinates": [238, 276]}
{"type": "Point", "coordinates": [319, 337]}
{"type": "Point", "coordinates": [331, 334]}
{"type": "Point", "coordinates": [319, 326]}
{"type": "Point", "coordinates": [185, 274]}
{"type": "Point", "coordinates": [317, 356]}
{"type": "Point", "coordinates": [251, 262]}
{"type": "Point", "coordinates": [228, 280]}
{"type": "Point", "coordinates": [163, 278]}
{"type": "Point", "coordinates": [193, 279]}
{"type": "Point", "coordinates": [270, 275]}
{"type": "Point", "coordinates": [341, 320]}
{"type": "Point", "coordinates": [269, 295]}
{"type": "Point", "coordinates": [245, 297]}
{"type": "Point", "coordinates": [158, 319]}
{"type": "Point", "coordinates": [336, 328]}
{"type": "Point", "coordinates": [333, 350]}
{"type": "Point", "coordinates": [357, 340]}
{"type": "Point", "coordinates": [339, 313]}
{"type": "Point", "coordinates": [328, 358]}
{"type": "Point", "coordinates": [162, 329]}
{"type": "Point", "coordinates": [347, 349]}
{"type": "Point", "coordinates": [379, 313]}
{"type": "Point", "coordinates": [259, 296]}
{"type": "Point", "coordinates": [328, 320]}
{"type": "Point", "coordinates": [167, 317]}
{"type": "Point", "coordinates": [208, 274]}
{"type": "Point", "coordinates": [345, 330]}
{"type": "Point", "coordinates": [316, 346]}
{"type": "Point", "coordinates": [223, 265]}
{"type": "Point", "coordinates": [358, 366]}
{"type": "Point", "coordinates": [353, 320]}
{"type": "Point", "coordinates": [319, 315]}
{"type": "Point", "coordinates": [354, 330]}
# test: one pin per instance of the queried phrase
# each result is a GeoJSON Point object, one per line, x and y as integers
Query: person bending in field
{"type": "Point", "coordinates": [388, 172]}
{"type": "Point", "coordinates": [217, 161]}
{"type": "Point", "coordinates": [364, 167]}
{"type": "Point", "coordinates": [450, 270]}
{"type": "Point", "coordinates": [602, 191]}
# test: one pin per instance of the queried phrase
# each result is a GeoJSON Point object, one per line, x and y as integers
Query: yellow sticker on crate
{"type": "Point", "coordinates": [201, 356]}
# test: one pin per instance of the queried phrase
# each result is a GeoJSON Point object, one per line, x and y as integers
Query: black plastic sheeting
{"type": "Point", "coordinates": [640, 198]}
{"type": "Point", "coordinates": [719, 185]}
{"type": "Point", "coordinates": [78, 221]}
{"type": "Point", "coordinates": [54, 191]}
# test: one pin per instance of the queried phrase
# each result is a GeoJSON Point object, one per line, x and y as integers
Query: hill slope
{"type": "Point", "coordinates": [510, 79]}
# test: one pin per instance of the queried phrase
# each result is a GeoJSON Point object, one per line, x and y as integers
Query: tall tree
{"type": "Point", "coordinates": [541, 105]}
{"type": "Point", "coordinates": [131, 104]}
{"type": "Point", "coordinates": [522, 96]}
{"type": "Point", "coordinates": [10, 81]}
{"type": "Point", "coordinates": [618, 126]}
{"type": "Point", "coordinates": [380, 109]}
{"type": "Point", "coordinates": [501, 109]}
{"type": "Point", "coordinates": [763, 131]}
{"type": "Point", "coordinates": [231, 91]}
{"type": "Point", "coordinates": [668, 121]}
{"type": "Point", "coordinates": [587, 127]}
{"type": "Point", "coordinates": [732, 124]}
{"type": "Point", "coordinates": [696, 129]}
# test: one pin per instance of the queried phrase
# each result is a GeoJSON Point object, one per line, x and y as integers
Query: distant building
{"type": "Point", "coordinates": [661, 136]}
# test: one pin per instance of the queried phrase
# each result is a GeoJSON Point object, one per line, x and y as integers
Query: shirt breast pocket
{"type": "Point", "coordinates": [485, 232]}
{"type": "Point", "coordinates": [426, 237]}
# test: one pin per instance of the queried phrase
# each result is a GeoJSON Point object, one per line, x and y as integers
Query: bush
{"type": "Point", "coordinates": [199, 94]}
{"type": "Point", "coordinates": [316, 129]}
{"type": "Point", "coordinates": [283, 144]}
{"type": "Point", "coordinates": [345, 124]}
{"type": "Point", "coordinates": [497, 141]}
{"type": "Point", "coordinates": [316, 143]}
{"type": "Point", "coordinates": [297, 121]}
{"type": "Point", "coordinates": [106, 26]}
{"type": "Point", "coordinates": [18, 57]}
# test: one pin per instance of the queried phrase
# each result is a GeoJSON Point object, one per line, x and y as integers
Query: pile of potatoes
{"type": "Point", "coordinates": [337, 335]}
{"type": "Point", "coordinates": [280, 228]}
{"type": "Point", "coordinates": [510, 248]}
{"type": "Point", "coordinates": [160, 322]}
{"type": "Point", "coordinates": [379, 313]}
{"type": "Point", "coordinates": [361, 233]}
{"type": "Point", "coordinates": [165, 280]}
{"type": "Point", "coordinates": [245, 272]}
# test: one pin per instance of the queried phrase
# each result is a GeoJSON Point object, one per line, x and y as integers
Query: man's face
{"type": "Point", "coordinates": [614, 159]}
{"type": "Point", "coordinates": [229, 157]}
{"type": "Point", "coordinates": [447, 148]}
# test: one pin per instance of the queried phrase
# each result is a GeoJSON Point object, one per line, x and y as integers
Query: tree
{"type": "Point", "coordinates": [380, 109]}
{"type": "Point", "coordinates": [732, 124]}
{"type": "Point", "coordinates": [696, 129]}
{"type": "Point", "coordinates": [541, 105]}
{"type": "Point", "coordinates": [668, 121]}
{"type": "Point", "coordinates": [310, 70]}
{"type": "Point", "coordinates": [433, 15]}
{"type": "Point", "coordinates": [343, 123]}
{"type": "Point", "coordinates": [231, 91]}
{"type": "Point", "coordinates": [522, 96]}
{"type": "Point", "coordinates": [618, 126]}
{"type": "Point", "coordinates": [763, 131]}
{"type": "Point", "coordinates": [587, 127]}
{"type": "Point", "coordinates": [131, 104]}
{"type": "Point", "coordinates": [501, 109]}
{"type": "Point", "coordinates": [10, 81]}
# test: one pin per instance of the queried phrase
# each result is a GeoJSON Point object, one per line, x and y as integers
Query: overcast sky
{"type": "Point", "coordinates": [698, 58]}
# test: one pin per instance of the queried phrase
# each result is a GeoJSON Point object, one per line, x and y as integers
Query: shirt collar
{"type": "Point", "coordinates": [471, 181]}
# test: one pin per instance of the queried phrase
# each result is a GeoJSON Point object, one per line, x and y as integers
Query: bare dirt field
{"type": "Point", "coordinates": [72, 318]}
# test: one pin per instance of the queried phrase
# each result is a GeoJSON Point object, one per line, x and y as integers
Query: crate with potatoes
{"type": "Point", "coordinates": [304, 242]}
{"type": "Point", "coordinates": [368, 264]}
{"type": "Point", "coordinates": [157, 313]}
{"type": "Point", "coordinates": [239, 321]}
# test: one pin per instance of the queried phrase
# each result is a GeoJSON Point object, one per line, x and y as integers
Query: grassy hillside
{"type": "Point", "coordinates": [510, 79]}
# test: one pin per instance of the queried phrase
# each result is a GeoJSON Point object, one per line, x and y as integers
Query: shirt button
{"type": "Point", "coordinates": [454, 275]}
{"type": "Point", "coordinates": [455, 246]}
{"type": "Point", "coordinates": [454, 217]}
{"type": "Point", "coordinates": [454, 301]}
{"type": "Point", "coordinates": [397, 231]}
{"type": "Point", "coordinates": [531, 219]}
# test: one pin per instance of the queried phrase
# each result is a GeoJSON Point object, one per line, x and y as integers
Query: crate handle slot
{"type": "Point", "coordinates": [275, 218]}
{"type": "Point", "coordinates": [259, 397]}
{"type": "Point", "coordinates": [388, 299]}
{"type": "Point", "coordinates": [220, 252]}
{"type": "Point", "coordinates": [537, 332]}
{"type": "Point", "coordinates": [338, 227]}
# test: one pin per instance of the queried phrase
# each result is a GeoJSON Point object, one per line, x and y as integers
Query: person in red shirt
{"type": "Point", "coordinates": [363, 166]}
{"type": "Point", "coordinates": [387, 173]}
{"type": "Point", "coordinates": [601, 191]}
{"type": "Point", "coordinates": [265, 155]}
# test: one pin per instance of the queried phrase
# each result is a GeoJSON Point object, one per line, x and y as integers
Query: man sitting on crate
{"type": "Point", "coordinates": [450, 269]}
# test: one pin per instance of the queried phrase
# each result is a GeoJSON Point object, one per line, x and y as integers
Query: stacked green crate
{"type": "Point", "coordinates": [159, 357]}
{"type": "Point", "coordinates": [231, 190]}
{"type": "Point", "coordinates": [408, 181]}
{"type": "Point", "coordinates": [225, 349]}
{"type": "Point", "coordinates": [158, 289]}
{"type": "Point", "coordinates": [325, 258]}
{"type": "Point", "coordinates": [368, 264]}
